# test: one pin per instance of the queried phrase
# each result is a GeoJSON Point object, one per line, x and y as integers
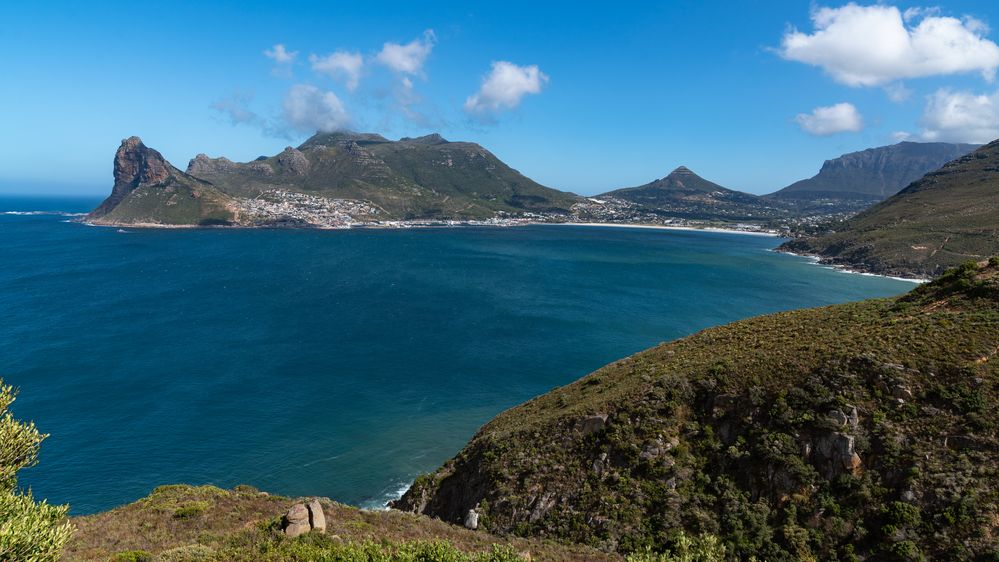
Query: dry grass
{"type": "Point", "coordinates": [243, 519]}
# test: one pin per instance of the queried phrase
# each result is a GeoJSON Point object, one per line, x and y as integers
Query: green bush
{"type": "Point", "coordinates": [190, 510]}
{"type": "Point", "coordinates": [29, 531]}
{"type": "Point", "coordinates": [704, 548]}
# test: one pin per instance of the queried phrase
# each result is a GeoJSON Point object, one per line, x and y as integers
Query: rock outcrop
{"type": "Point", "coordinates": [135, 164]}
{"type": "Point", "coordinates": [148, 190]}
{"type": "Point", "coordinates": [302, 518]}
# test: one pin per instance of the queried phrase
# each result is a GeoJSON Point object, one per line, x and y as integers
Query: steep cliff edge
{"type": "Point", "coordinates": [860, 430]}
{"type": "Point", "coordinates": [148, 190]}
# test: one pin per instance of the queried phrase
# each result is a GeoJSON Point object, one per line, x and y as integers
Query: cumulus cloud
{"type": "Point", "coordinates": [283, 60]}
{"type": "Point", "coordinates": [408, 58]}
{"type": "Point", "coordinates": [504, 87]}
{"type": "Point", "coordinates": [307, 109]}
{"type": "Point", "coordinates": [829, 120]}
{"type": "Point", "coordinates": [877, 45]}
{"type": "Point", "coordinates": [340, 65]}
{"type": "Point", "coordinates": [955, 116]}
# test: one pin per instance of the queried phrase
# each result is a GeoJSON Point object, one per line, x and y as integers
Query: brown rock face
{"type": "Point", "coordinates": [135, 164]}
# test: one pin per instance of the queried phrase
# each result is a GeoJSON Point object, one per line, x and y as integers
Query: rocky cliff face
{"type": "Point", "coordinates": [135, 164]}
{"type": "Point", "coordinates": [874, 174]}
{"type": "Point", "coordinates": [862, 430]}
{"type": "Point", "coordinates": [149, 190]}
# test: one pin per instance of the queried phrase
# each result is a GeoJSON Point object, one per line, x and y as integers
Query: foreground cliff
{"type": "Point", "coordinates": [949, 216]}
{"type": "Point", "coordinates": [861, 430]}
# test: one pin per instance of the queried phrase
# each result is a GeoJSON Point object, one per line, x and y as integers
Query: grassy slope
{"type": "Point", "coordinates": [178, 202]}
{"type": "Point", "coordinates": [722, 432]}
{"type": "Point", "coordinates": [949, 216]}
{"type": "Point", "coordinates": [243, 525]}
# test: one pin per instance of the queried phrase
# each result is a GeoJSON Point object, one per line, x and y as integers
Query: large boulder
{"type": "Point", "coordinates": [296, 521]}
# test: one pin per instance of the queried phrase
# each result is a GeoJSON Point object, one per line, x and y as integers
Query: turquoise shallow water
{"type": "Point", "coordinates": [336, 363]}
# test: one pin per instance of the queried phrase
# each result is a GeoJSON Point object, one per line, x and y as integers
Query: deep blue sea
{"type": "Point", "coordinates": [336, 363]}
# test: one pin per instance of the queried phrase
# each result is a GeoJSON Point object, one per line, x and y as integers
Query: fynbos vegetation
{"type": "Point", "coordinates": [30, 531]}
{"type": "Point", "coordinates": [858, 431]}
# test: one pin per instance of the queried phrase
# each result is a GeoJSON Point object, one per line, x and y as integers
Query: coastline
{"type": "Point", "coordinates": [388, 225]}
{"type": "Point", "coordinates": [818, 260]}
{"type": "Point", "coordinates": [667, 227]}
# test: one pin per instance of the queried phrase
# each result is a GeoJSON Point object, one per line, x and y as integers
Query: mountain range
{"type": "Point", "coordinates": [342, 179]}
{"type": "Point", "coordinates": [949, 216]}
{"type": "Point", "coordinates": [331, 179]}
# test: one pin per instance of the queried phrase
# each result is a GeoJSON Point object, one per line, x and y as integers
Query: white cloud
{"type": "Point", "coordinates": [899, 136]}
{"type": "Point", "coordinates": [961, 117]}
{"type": "Point", "coordinates": [307, 109]}
{"type": "Point", "coordinates": [408, 58]}
{"type": "Point", "coordinates": [340, 65]}
{"type": "Point", "coordinates": [236, 108]}
{"type": "Point", "coordinates": [279, 54]}
{"type": "Point", "coordinates": [839, 118]}
{"type": "Point", "coordinates": [897, 92]}
{"type": "Point", "coordinates": [877, 45]}
{"type": "Point", "coordinates": [505, 87]}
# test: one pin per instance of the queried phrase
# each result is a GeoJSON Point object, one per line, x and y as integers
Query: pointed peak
{"type": "Point", "coordinates": [136, 164]}
{"type": "Point", "coordinates": [682, 171]}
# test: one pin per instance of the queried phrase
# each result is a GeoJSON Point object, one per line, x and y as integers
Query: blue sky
{"type": "Point", "coordinates": [586, 98]}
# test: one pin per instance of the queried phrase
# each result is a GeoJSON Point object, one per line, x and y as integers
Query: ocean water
{"type": "Point", "coordinates": [336, 363]}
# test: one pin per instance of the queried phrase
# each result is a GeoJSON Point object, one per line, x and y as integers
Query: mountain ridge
{"type": "Point", "coordinates": [858, 179]}
{"type": "Point", "coordinates": [947, 217]}
{"type": "Point", "coordinates": [683, 193]}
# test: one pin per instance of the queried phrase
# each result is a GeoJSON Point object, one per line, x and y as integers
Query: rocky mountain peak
{"type": "Point", "coordinates": [136, 164]}
{"type": "Point", "coordinates": [682, 171]}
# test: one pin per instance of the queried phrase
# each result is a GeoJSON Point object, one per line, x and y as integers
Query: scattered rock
{"type": "Point", "coordinates": [853, 418]}
{"type": "Point", "coordinates": [592, 424]}
{"type": "Point", "coordinates": [838, 449]}
{"type": "Point", "coordinates": [472, 520]}
{"type": "Point", "coordinates": [316, 516]}
{"type": "Point", "coordinates": [838, 418]}
{"type": "Point", "coordinates": [901, 392]}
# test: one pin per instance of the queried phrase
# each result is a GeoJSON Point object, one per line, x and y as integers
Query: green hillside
{"type": "Point", "coordinates": [684, 194]}
{"type": "Point", "coordinates": [422, 178]}
{"type": "Point", "coordinates": [850, 432]}
{"type": "Point", "coordinates": [949, 216]}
